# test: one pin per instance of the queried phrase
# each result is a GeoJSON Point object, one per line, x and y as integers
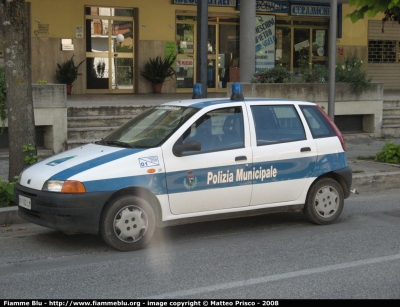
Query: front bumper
{"type": "Point", "coordinates": [73, 213]}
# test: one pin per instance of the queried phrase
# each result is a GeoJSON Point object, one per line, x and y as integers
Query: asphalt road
{"type": "Point", "coordinates": [277, 256]}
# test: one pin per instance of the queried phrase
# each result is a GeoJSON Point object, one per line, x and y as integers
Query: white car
{"type": "Point", "coordinates": [190, 161]}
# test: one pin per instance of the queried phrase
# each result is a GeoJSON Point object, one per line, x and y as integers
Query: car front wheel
{"type": "Point", "coordinates": [127, 223]}
{"type": "Point", "coordinates": [325, 201]}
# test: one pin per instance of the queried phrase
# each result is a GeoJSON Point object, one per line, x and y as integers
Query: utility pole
{"type": "Point", "coordinates": [332, 59]}
{"type": "Point", "coordinates": [202, 42]}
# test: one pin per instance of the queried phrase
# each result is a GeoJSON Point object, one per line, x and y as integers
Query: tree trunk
{"type": "Point", "coordinates": [15, 19]}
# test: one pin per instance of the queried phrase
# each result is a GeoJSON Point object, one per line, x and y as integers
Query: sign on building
{"type": "Point", "coordinates": [265, 41]}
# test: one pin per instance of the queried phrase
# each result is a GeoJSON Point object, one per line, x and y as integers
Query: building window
{"type": "Point", "coordinates": [383, 51]}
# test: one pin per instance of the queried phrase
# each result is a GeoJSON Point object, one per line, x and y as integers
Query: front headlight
{"type": "Point", "coordinates": [64, 186]}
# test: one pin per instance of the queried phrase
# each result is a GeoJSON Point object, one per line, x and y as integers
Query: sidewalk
{"type": "Point", "coordinates": [368, 176]}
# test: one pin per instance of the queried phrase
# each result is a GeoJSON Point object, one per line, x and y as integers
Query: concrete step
{"type": "Point", "coordinates": [390, 111]}
{"type": "Point", "coordinates": [392, 130]}
{"type": "Point", "coordinates": [89, 124]}
{"type": "Point", "coordinates": [98, 121]}
{"type": "Point", "coordinates": [76, 143]}
{"type": "Point", "coordinates": [105, 110]}
{"type": "Point", "coordinates": [89, 132]}
{"type": "Point", "coordinates": [391, 120]}
{"type": "Point", "coordinates": [391, 103]}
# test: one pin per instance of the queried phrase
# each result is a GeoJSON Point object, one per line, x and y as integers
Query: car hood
{"type": "Point", "coordinates": [88, 162]}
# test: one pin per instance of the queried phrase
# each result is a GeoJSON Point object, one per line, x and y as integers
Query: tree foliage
{"type": "Point", "coordinates": [389, 8]}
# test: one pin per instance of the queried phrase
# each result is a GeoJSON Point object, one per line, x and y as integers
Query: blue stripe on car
{"type": "Point", "coordinates": [154, 182]}
{"type": "Point", "coordinates": [182, 181]}
{"type": "Point", "coordinates": [69, 172]}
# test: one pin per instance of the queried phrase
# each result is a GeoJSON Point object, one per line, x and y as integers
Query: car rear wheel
{"type": "Point", "coordinates": [127, 223]}
{"type": "Point", "coordinates": [325, 201]}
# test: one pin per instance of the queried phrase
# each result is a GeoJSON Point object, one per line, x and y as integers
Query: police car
{"type": "Point", "coordinates": [190, 161]}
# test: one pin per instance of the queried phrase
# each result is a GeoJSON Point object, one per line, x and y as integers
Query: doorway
{"type": "Point", "coordinates": [222, 55]}
{"type": "Point", "coordinates": [110, 55]}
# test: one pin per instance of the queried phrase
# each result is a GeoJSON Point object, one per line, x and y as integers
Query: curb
{"type": "Point", "coordinates": [9, 215]}
{"type": "Point", "coordinates": [387, 180]}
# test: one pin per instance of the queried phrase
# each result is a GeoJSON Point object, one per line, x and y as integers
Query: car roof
{"type": "Point", "coordinates": [206, 102]}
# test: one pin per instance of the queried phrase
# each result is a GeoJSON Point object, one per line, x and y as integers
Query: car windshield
{"type": "Point", "coordinates": [149, 129]}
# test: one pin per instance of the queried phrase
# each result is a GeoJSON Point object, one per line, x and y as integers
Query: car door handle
{"type": "Point", "coordinates": [304, 149]}
{"type": "Point", "coordinates": [241, 158]}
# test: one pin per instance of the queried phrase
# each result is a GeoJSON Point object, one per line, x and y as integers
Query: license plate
{"type": "Point", "coordinates": [25, 202]}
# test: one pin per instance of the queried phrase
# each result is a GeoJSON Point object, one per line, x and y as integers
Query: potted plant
{"type": "Point", "coordinates": [67, 73]}
{"type": "Point", "coordinates": [158, 70]}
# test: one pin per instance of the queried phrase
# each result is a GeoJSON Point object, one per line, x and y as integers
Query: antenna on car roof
{"type": "Point", "coordinates": [237, 93]}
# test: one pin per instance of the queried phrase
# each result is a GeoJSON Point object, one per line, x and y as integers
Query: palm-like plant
{"type": "Point", "coordinates": [157, 70]}
{"type": "Point", "coordinates": [67, 72]}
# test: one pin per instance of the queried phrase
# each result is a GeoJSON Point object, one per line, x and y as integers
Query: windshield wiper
{"type": "Point", "coordinates": [100, 141]}
{"type": "Point", "coordinates": [119, 143]}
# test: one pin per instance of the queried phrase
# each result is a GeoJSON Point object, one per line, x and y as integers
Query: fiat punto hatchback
{"type": "Point", "coordinates": [190, 161]}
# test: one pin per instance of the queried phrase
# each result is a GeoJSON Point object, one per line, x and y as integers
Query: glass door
{"type": "Point", "coordinates": [319, 51]}
{"type": "Point", "coordinates": [301, 47]}
{"type": "Point", "coordinates": [185, 60]}
{"type": "Point", "coordinates": [109, 50]}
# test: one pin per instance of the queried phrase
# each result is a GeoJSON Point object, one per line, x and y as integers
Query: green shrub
{"type": "Point", "coordinates": [318, 74]}
{"type": "Point", "coordinates": [7, 193]}
{"type": "Point", "coordinates": [351, 70]}
{"type": "Point", "coordinates": [275, 74]}
{"type": "Point", "coordinates": [348, 70]}
{"type": "Point", "coordinates": [31, 157]}
{"type": "Point", "coordinates": [390, 153]}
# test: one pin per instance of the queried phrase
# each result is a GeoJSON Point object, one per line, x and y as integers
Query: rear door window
{"type": "Point", "coordinates": [277, 124]}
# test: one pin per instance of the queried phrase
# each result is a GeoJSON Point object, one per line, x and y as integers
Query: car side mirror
{"type": "Point", "coordinates": [190, 145]}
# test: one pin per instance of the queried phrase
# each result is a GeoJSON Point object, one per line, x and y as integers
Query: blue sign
{"type": "Point", "coordinates": [310, 10]}
{"type": "Point", "coordinates": [269, 6]}
{"type": "Point", "coordinates": [272, 6]}
{"type": "Point", "coordinates": [210, 2]}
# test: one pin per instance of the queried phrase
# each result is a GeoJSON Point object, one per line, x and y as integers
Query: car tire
{"type": "Point", "coordinates": [127, 223]}
{"type": "Point", "coordinates": [325, 201]}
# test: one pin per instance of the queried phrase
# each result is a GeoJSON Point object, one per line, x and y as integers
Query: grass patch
{"type": "Point", "coordinates": [369, 158]}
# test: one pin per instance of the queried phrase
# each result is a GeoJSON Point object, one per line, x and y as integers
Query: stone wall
{"type": "Point", "coordinates": [50, 111]}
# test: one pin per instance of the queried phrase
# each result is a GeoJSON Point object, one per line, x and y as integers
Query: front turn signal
{"type": "Point", "coordinates": [73, 187]}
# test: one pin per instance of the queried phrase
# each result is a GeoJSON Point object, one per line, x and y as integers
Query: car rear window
{"type": "Point", "coordinates": [317, 122]}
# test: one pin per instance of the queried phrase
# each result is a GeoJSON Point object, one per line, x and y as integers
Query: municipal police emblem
{"type": "Point", "coordinates": [190, 181]}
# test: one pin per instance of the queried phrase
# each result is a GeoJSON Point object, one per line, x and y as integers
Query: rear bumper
{"type": "Point", "coordinates": [74, 213]}
{"type": "Point", "coordinates": [346, 174]}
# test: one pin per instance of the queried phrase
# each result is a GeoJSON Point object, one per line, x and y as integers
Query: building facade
{"type": "Point", "coordinates": [116, 38]}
